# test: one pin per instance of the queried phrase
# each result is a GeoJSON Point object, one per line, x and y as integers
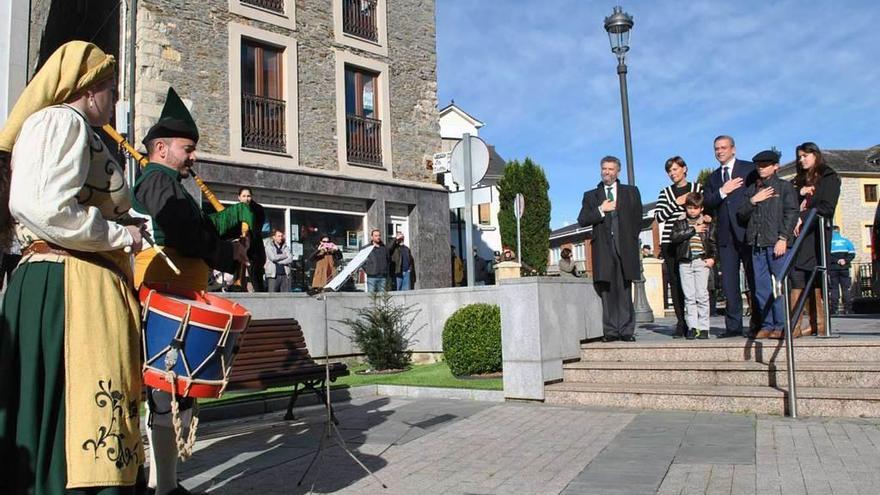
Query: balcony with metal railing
{"type": "Point", "coordinates": [270, 5]}
{"type": "Point", "coordinates": [359, 19]}
{"type": "Point", "coordinates": [262, 123]}
{"type": "Point", "coordinates": [363, 140]}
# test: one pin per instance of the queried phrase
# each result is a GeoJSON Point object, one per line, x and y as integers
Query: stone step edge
{"type": "Point", "coordinates": [715, 391]}
{"type": "Point", "coordinates": [733, 344]}
{"type": "Point", "coordinates": [829, 366]}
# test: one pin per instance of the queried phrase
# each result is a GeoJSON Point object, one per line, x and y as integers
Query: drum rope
{"type": "Point", "coordinates": [184, 448]}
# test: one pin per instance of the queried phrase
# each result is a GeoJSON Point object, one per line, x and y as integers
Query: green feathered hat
{"type": "Point", "coordinates": [175, 121]}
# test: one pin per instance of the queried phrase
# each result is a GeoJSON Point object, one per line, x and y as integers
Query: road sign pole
{"type": "Point", "coordinates": [468, 210]}
{"type": "Point", "coordinates": [518, 243]}
{"type": "Point", "coordinates": [519, 207]}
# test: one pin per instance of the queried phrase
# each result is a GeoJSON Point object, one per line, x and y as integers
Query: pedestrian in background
{"type": "Point", "coordinates": [402, 263]}
{"type": "Point", "coordinates": [256, 251]}
{"type": "Point", "coordinates": [457, 269]}
{"type": "Point", "coordinates": [377, 265]}
{"type": "Point", "coordinates": [481, 272]}
{"type": "Point", "coordinates": [324, 262]}
{"type": "Point", "coordinates": [278, 261]}
{"type": "Point", "coordinates": [567, 266]}
{"type": "Point", "coordinates": [842, 254]}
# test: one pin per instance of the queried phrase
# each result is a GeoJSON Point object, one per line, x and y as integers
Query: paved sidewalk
{"type": "Point", "coordinates": [436, 446]}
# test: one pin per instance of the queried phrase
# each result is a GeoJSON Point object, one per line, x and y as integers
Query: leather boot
{"type": "Point", "coordinates": [795, 324]}
{"type": "Point", "coordinates": [820, 309]}
{"type": "Point", "coordinates": [810, 324]}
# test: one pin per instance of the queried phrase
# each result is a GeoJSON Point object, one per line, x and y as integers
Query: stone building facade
{"type": "Point", "coordinates": [332, 131]}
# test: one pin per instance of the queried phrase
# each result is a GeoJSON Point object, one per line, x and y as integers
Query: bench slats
{"type": "Point", "coordinates": [273, 353]}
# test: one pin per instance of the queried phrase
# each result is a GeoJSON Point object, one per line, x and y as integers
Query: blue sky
{"type": "Point", "coordinates": [541, 75]}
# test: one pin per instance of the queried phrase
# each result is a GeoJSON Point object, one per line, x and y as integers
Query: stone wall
{"type": "Point", "coordinates": [55, 22]}
{"type": "Point", "coordinates": [853, 214]}
{"type": "Point", "coordinates": [543, 321]}
{"type": "Point", "coordinates": [185, 44]}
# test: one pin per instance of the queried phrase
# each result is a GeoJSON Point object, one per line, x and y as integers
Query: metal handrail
{"type": "Point", "coordinates": [781, 289]}
{"type": "Point", "coordinates": [807, 224]}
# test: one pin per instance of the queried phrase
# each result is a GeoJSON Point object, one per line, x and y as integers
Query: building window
{"type": "Point", "coordinates": [359, 18]}
{"type": "Point", "coordinates": [579, 252]}
{"type": "Point", "coordinates": [555, 255]}
{"type": "Point", "coordinates": [363, 129]}
{"type": "Point", "coordinates": [871, 193]}
{"type": "Point", "coordinates": [867, 236]}
{"type": "Point", "coordinates": [262, 101]}
{"type": "Point", "coordinates": [484, 214]}
{"type": "Point", "coordinates": [270, 5]}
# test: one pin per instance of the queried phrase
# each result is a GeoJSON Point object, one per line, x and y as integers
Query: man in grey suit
{"type": "Point", "coordinates": [614, 210]}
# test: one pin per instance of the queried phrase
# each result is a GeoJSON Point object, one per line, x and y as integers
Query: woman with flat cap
{"type": "Point", "coordinates": [69, 326]}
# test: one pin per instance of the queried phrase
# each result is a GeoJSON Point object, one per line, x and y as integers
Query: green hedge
{"type": "Point", "coordinates": [472, 340]}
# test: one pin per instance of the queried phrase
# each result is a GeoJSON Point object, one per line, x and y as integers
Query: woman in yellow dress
{"type": "Point", "coordinates": [69, 326]}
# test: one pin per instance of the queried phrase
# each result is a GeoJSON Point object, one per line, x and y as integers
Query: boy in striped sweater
{"type": "Point", "coordinates": [695, 249]}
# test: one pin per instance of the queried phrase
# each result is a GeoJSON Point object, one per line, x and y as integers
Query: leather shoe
{"type": "Point", "coordinates": [764, 333]}
{"type": "Point", "coordinates": [609, 339]}
{"type": "Point", "coordinates": [628, 338]}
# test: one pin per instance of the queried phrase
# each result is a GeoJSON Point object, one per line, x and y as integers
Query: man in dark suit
{"type": "Point", "coordinates": [723, 195]}
{"type": "Point", "coordinates": [614, 210]}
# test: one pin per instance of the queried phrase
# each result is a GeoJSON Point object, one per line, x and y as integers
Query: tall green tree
{"type": "Point", "coordinates": [526, 177]}
{"type": "Point", "coordinates": [703, 176]}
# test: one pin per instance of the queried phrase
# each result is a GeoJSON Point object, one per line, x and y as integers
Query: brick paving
{"type": "Point", "coordinates": [437, 446]}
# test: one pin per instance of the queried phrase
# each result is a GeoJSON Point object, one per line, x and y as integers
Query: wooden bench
{"type": "Point", "coordinates": [273, 353]}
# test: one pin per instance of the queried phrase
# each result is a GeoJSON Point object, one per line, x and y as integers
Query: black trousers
{"type": "Point", "coordinates": [618, 314]}
{"type": "Point", "coordinates": [839, 281]}
{"type": "Point", "coordinates": [673, 282]}
{"type": "Point", "coordinates": [731, 257]}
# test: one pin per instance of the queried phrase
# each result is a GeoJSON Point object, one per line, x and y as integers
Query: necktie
{"type": "Point", "coordinates": [609, 193]}
{"type": "Point", "coordinates": [725, 174]}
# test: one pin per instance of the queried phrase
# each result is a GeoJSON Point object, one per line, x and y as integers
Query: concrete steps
{"type": "Point", "coordinates": [812, 401]}
{"type": "Point", "coordinates": [746, 373]}
{"type": "Point", "coordinates": [839, 377]}
{"type": "Point", "coordinates": [734, 350]}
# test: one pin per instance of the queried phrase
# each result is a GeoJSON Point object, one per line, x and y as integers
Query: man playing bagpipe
{"type": "Point", "coordinates": [196, 244]}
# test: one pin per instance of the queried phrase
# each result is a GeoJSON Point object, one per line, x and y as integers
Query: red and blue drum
{"type": "Point", "coordinates": [190, 339]}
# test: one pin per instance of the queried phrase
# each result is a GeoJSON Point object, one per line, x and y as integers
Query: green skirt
{"type": "Point", "coordinates": [32, 411]}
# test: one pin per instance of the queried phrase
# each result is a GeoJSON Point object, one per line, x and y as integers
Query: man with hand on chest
{"type": "Point", "coordinates": [614, 210]}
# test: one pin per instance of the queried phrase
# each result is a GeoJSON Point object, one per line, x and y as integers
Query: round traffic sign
{"type": "Point", "coordinates": [479, 161]}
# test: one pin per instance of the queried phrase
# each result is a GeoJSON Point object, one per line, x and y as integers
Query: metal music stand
{"type": "Point", "coordinates": [330, 420]}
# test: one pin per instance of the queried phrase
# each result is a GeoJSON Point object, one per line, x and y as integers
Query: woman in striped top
{"type": "Point", "coordinates": [670, 207]}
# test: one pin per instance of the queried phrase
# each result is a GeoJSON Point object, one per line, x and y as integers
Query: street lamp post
{"type": "Point", "coordinates": [618, 25]}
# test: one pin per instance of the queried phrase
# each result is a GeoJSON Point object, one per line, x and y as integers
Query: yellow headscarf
{"type": "Point", "coordinates": [74, 66]}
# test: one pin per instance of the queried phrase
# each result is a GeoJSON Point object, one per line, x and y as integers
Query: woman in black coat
{"type": "Point", "coordinates": [818, 186]}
